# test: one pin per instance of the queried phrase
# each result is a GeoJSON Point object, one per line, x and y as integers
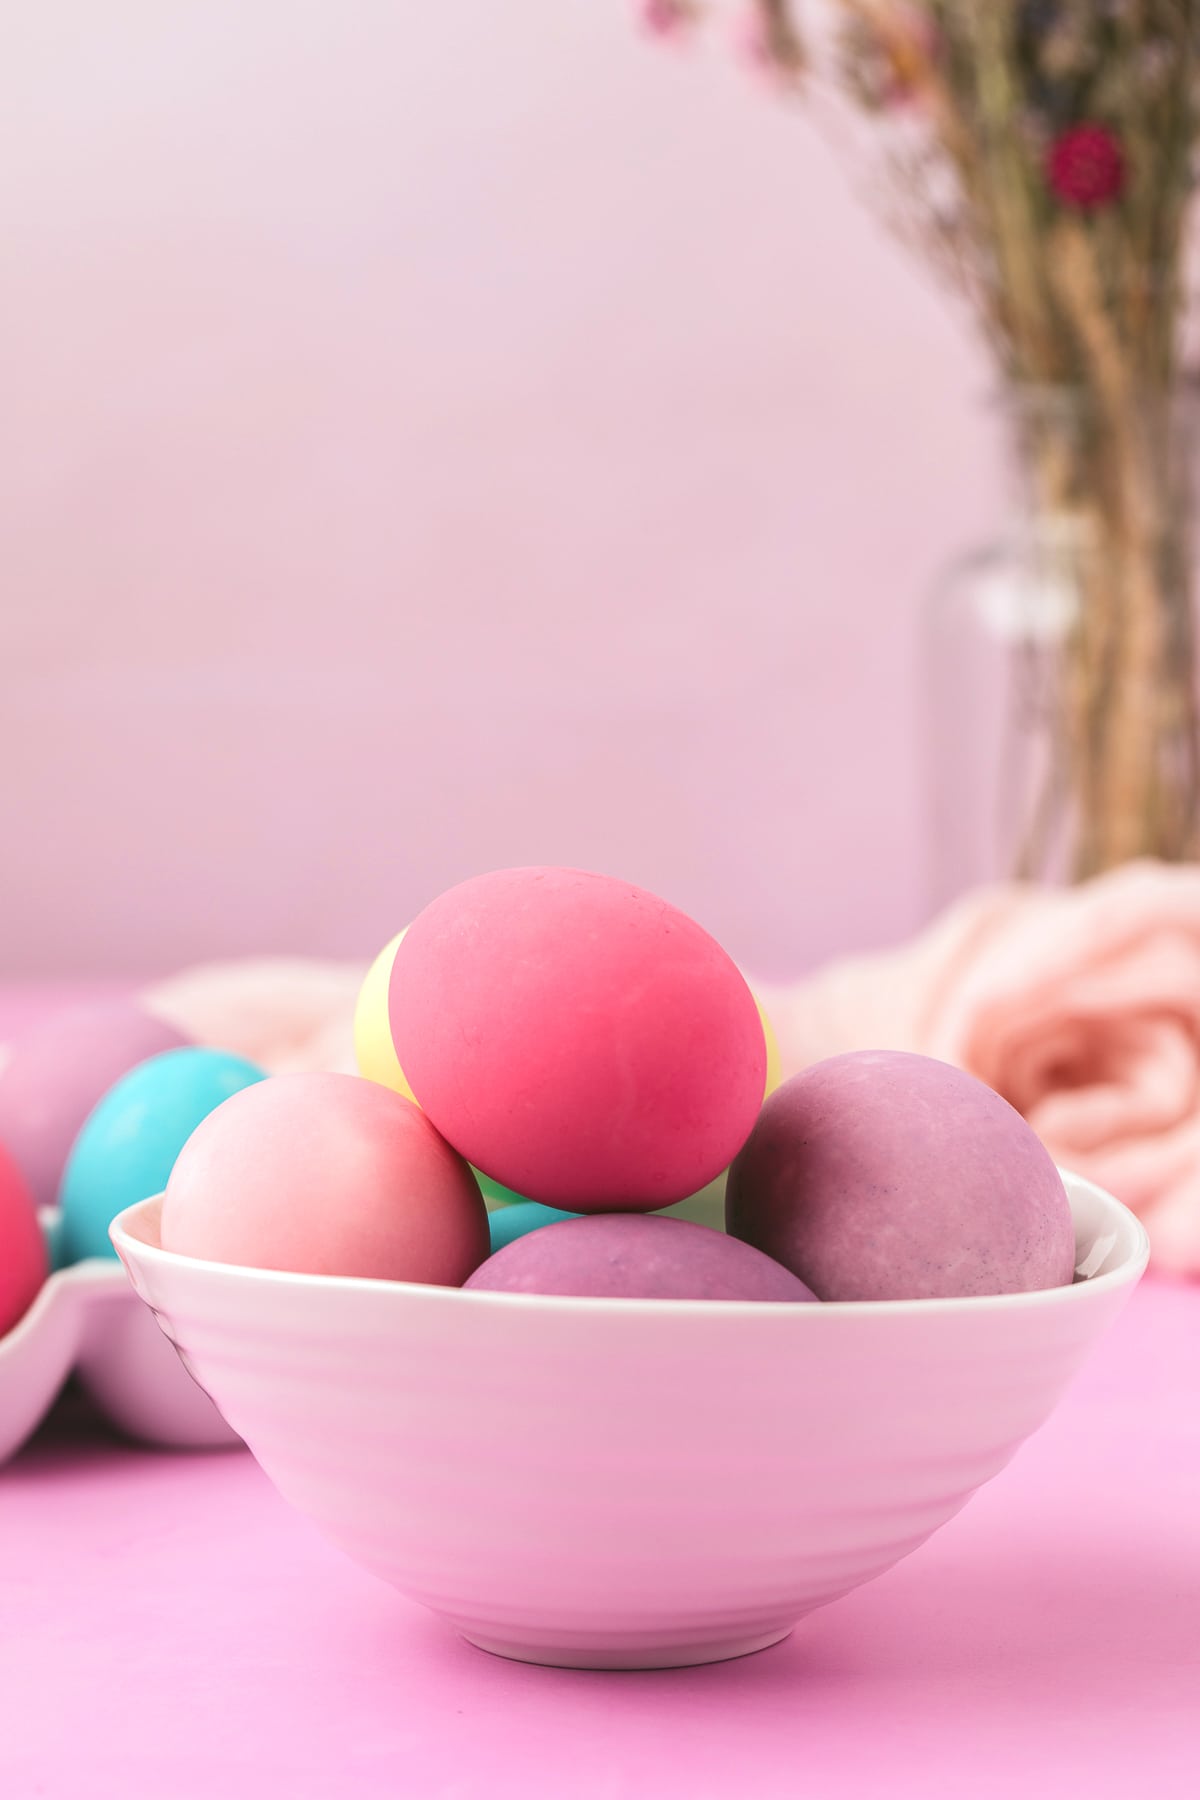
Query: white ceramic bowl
{"type": "Point", "coordinates": [627, 1483]}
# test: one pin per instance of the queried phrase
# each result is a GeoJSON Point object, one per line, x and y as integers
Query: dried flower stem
{"type": "Point", "coordinates": [1065, 131]}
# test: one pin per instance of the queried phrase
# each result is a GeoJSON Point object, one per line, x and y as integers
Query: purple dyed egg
{"type": "Point", "coordinates": [887, 1176]}
{"type": "Point", "coordinates": [56, 1073]}
{"type": "Point", "coordinates": [636, 1256]}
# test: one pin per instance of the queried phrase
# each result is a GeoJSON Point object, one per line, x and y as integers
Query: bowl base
{"type": "Point", "coordinates": [643, 1656]}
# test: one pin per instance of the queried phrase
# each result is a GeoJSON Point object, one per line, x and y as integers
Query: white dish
{"type": "Point", "coordinates": [88, 1320]}
{"type": "Point", "coordinates": [628, 1483]}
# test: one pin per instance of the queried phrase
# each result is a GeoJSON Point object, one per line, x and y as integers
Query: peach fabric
{"type": "Point", "coordinates": [1080, 1005]}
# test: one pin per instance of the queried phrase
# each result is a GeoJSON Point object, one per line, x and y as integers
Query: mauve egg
{"type": "Point", "coordinates": [631, 1256]}
{"type": "Point", "coordinates": [882, 1175]}
{"type": "Point", "coordinates": [24, 1264]}
{"type": "Point", "coordinates": [326, 1174]}
{"type": "Point", "coordinates": [583, 1042]}
{"type": "Point", "coordinates": [58, 1070]}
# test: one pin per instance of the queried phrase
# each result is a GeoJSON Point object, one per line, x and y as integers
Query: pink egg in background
{"type": "Point", "coordinates": [326, 1174]}
{"type": "Point", "coordinates": [23, 1261]}
{"type": "Point", "coordinates": [635, 1256]}
{"type": "Point", "coordinates": [578, 1039]}
{"type": "Point", "coordinates": [882, 1175]}
{"type": "Point", "coordinates": [58, 1070]}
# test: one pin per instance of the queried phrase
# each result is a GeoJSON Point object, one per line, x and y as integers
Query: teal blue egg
{"type": "Point", "coordinates": [509, 1222]}
{"type": "Point", "coordinates": [127, 1145]}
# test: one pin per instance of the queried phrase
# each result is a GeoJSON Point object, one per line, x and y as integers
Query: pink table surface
{"type": "Point", "coordinates": [168, 1627]}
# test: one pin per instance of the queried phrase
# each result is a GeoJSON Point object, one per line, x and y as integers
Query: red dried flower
{"type": "Point", "coordinates": [1085, 166]}
{"type": "Point", "coordinates": [667, 18]}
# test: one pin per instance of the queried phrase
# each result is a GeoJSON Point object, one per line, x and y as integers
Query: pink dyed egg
{"type": "Point", "coordinates": [325, 1174]}
{"type": "Point", "coordinates": [632, 1257]}
{"type": "Point", "coordinates": [23, 1261]}
{"type": "Point", "coordinates": [58, 1071]}
{"type": "Point", "coordinates": [887, 1176]}
{"type": "Point", "coordinates": [577, 1039]}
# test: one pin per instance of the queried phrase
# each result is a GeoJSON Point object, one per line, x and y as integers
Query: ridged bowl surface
{"type": "Point", "coordinates": [619, 1483]}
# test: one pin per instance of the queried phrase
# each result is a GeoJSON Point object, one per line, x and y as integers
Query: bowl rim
{"type": "Point", "coordinates": [1127, 1272]}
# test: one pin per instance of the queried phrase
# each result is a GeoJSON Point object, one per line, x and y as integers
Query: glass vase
{"type": "Point", "coordinates": [1060, 705]}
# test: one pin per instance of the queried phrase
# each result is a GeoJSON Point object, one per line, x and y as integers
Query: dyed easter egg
{"type": "Point", "coordinates": [496, 1194]}
{"type": "Point", "coordinates": [326, 1174]}
{"type": "Point", "coordinates": [376, 1057]}
{"type": "Point", "coordinates": [882, 1175]}
{"type": "Point", "coordinates": [128, 1143]}
{"type": "Point", "coordinates": [629, 1256]}
{"type": "Point", "coordinates": [508, 1223]}
{"type": "Point", "coordinates": [56, 1073]}
{"type": "Point", "coordinates": [774, 1073]}
{"type": "Point", "coordinates": [580, 1040]}
{"type": "Point", "coordinates": [374, 1050]}
{"type": "Point", "coordinates": [24, 1264]}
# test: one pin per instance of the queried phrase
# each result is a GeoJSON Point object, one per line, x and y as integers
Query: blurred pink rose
{"type": "Point", "coordinates": [1081, 1006]}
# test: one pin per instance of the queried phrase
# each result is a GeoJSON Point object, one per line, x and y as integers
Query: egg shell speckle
{"type": "Point", "coordinates": [882, 1175]}
{"type": "Point", "coordinates": [577, 1038]}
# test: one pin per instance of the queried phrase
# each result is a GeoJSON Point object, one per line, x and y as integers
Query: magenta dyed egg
{"type": "Point", "coordinates": [23, 1260]}
{"type": "Point", "coordinates": [577, 1039]}
{"type": "Point", "coordinates": [630, 1256]}
{"type": "Point", "coordinates": [325, 1174]}
{"type": "Point", "coordinates": [56, 1073]}
{"type": "Point", "coordinates": [882, 1175]}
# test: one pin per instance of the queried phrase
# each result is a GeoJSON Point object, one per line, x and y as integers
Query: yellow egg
{"type": "Point", "coordinates": [375, 1052]}
{"type": "Point", "coordinates": [373, 1047]}
{"type": "Point", "coordinates": [377, 1060]}
{"type": "Point", "coordinates": [774, 1070]}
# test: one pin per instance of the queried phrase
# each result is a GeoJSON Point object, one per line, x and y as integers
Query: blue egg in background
{"type": "Point", "coordinates": [510, 1222]}
{"type": "Point", "coordinates": [127, 1145]}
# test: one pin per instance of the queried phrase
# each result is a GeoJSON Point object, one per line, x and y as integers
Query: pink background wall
{"type": "Point", "coordinates": [437, 437]}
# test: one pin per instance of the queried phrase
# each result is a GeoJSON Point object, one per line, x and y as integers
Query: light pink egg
{"type": "Point", "coordinates": [326, 1174]}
